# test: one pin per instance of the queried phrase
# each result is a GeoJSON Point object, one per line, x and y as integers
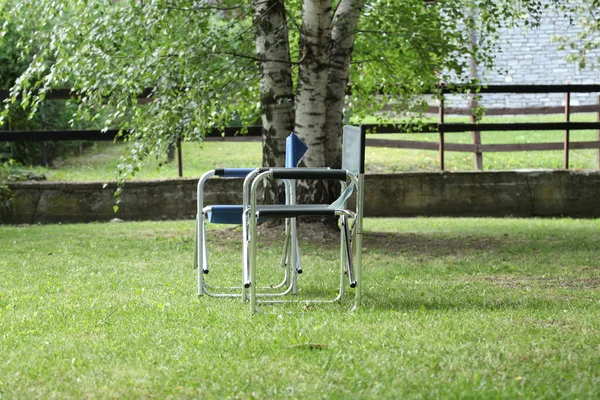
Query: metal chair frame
{"type": "Point", "coordinates": [201, 250]}
{"type": "Point", "coordinates": [350, 236]}
{"type": "Point", "coordinates": [295, 149]}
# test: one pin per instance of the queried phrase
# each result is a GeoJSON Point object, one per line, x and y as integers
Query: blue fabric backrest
{"type": "Point", "coordinates": [294, 150]}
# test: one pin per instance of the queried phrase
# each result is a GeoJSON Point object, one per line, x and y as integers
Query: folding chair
{"type": "Point", "coordinates": [350, 220]}
{"type": "Point", "coordinates": [232, 215]}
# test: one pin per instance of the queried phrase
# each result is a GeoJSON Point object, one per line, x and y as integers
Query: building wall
{"type": "Point", "coordinates": [528, 56]}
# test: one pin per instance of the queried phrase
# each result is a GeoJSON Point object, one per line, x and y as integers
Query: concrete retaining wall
{"type": "Point", "coordinates": [495, 194]}
{"type": "Point", "coordinates": [511, 193]}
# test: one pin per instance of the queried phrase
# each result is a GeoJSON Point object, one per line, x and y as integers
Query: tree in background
{"type": "Point", "coordinates": [51, 115]}
{"type": "Point", "coordinates": [289, 62]}
{"type": "Point", "coordinates": [586, 16]}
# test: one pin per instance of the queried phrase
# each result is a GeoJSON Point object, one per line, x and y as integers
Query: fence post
{"type": "Point", "coordinates": [598, 133]}
{"type": "Point", "coordinates": [567, 119]}
{"type": "Point", "coordinates": [475, 135]}
{"type": "Point", "coordinates": [179, 160]}
{"type": "Point", "coordinates": [441, 145]}
{"type": "Point", "coordinates": [44, 158]}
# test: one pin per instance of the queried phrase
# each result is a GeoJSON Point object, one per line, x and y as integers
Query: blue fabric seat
{"type": "Point", "coordinates": [225, 214]}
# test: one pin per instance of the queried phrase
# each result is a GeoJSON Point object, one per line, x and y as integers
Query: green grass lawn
{"type": "Point", "coordinates": [100, 162]}
{"type": "Point", "coordinates": [453, 308]}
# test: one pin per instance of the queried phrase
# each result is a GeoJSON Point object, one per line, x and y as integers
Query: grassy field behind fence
{"type": "Point", "coordinates": [100, 162]}
{"type": "Point", "coordinates": [453, 308]}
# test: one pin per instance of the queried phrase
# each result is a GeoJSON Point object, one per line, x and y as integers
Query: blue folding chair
{"type": "Point", "coordinates": [231, 214]}
{"type": "Point", "coordinates": [350, 220]}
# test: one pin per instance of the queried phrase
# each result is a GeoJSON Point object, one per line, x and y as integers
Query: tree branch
{"type": "Point", "coordinates": [199, 8]}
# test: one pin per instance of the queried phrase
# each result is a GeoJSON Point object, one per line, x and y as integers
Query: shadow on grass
{"type": "Point", "coordinates": [489, 293]}
{"type": "Point", "coordinates": [459, 303]}
{"type": "Point", "coordinates": [429, 244]}
{"type": "Point", "coordinates": [502, 272]}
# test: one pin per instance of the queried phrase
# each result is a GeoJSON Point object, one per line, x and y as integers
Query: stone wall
{"type": "Point", "coordinates": [514, 193]}
{"type": "Point", "coordinates": [543, 193]}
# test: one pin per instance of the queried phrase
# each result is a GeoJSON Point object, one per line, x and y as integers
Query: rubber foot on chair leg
{"type": "Point", "coordinates": [205, 271]}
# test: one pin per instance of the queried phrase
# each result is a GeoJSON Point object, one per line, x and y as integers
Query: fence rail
{"type": "Point", "coordinates": [441, 127]}
{"type": "Point", "coordinates": [230, 132]}
{"type": "Point", "coordinates": [477, 148]}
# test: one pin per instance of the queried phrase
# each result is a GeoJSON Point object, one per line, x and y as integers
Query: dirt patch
{"type": "Point", "coordinates": [551, 323]}
{"type": "Point", "coordinates": [583, 283]}
{"type": "Point", "coordinates": [558, 282]}
{"type": "Point", "coordinates": [273, 232]}
{"type": "Point", "coordinates": [430, 245]}
{"type": "Point", "coordinates": [410, 243]}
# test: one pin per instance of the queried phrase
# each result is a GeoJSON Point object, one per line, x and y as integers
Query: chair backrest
{"type": "Point", "coordinates": [294, 150]}
{"type": "Point", "coordinates": [353, 160]}
{"type": "Point", "coordinates": [353, 149]}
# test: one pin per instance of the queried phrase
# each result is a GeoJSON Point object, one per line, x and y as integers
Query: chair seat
{"type": "Point", "coordinates": [297, 210]}
{"type": "Point", "coordinates": [225, 214]}
{"type": "Point", "coordinates": [229, 214]}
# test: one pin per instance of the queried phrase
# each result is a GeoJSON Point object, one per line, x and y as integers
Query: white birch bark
{"type": "Point", "coordinates": [315, 113]}
{"type": "Point", "coordinates": [315, 49]}
{"type": "Point", "coordinates": [276, 87]}
{"type": "Point", "coordinates": [345, 22]}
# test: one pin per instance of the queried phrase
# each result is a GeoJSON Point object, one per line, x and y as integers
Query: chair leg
{"type": "Point", "coordinates": [358, 263]}
{"type": "Point", "coordinates": [285, 255]}
{"type": "Point", "coordinates": [252, 263]}
{"type": "Point", "coordinates": [198, 252]}
{"type": "Point", "coordinates": [204, 247]}
{"type": "Point", "coordinates": [202, 251]}
{"type": "Point", "coordinates": [195, 260]}
{"type": "Point", "coordinates": [343, 272]}
{"type": "Point", "coordinates": [245, 256]}
{"type": "Point", "coordinates": [348, 249]}
{"type": "Point", "coordinates": [357, 242]}
{"type": "Point", "coordinates": [294, 256]}
{"type": "Point", "coordinates": [299, 269]}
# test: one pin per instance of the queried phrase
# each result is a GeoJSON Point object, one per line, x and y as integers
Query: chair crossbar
{"type": "Point", "coordinates": [297, 210]}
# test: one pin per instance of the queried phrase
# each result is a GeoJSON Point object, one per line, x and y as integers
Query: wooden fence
{"type": "Point", "coordinates": [477, 148]}
{"type": "Point", "coordinates": [440, 128]}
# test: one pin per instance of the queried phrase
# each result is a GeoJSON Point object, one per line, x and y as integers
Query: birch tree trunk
{"type": "Point", "coordinates": [327, 41]}
{"type": "Point", "coordinates": [276, 87]}
{"type": "Point", "coordinates": [315, 110]}
{"type": "Point", "coordinates": [315, 48]}
{"type": "Point", "coordinates": [345, 21]}
{"type": "Point", "coordinates": [311, 96]}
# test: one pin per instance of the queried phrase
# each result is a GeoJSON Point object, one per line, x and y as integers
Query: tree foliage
{"type": "Point", "coordinates": [582, 47]}
{"type": "Point", "coordinates": [204, 65]}
{"type": "Point", "coordinates": [50, 115]}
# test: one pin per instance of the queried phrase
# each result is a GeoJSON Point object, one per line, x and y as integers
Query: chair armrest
{"type": "Point", "coordinates": [233, 172]}
{"type": "Point", "coordinates": [309, 173]}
